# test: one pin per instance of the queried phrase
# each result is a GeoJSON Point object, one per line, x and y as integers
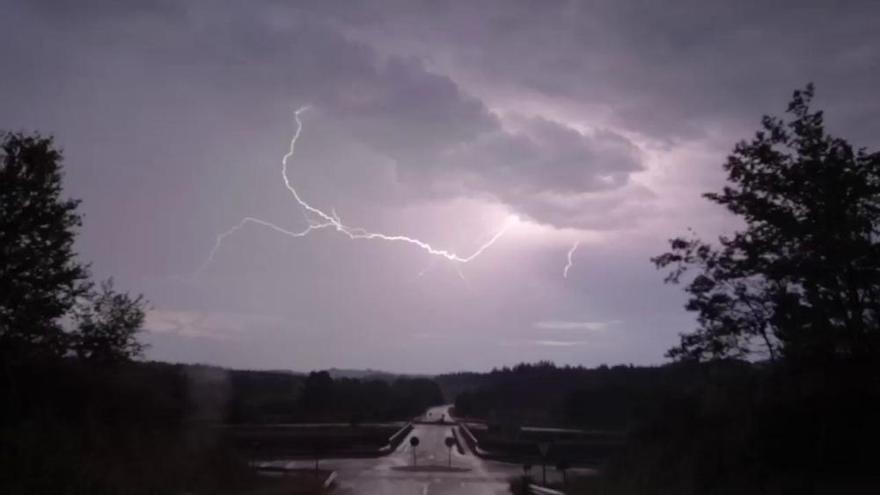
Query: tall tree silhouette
{"type": "Point", "coordinates": [802, 280]}
{"type": "Point", "coordinates": [40, 278]}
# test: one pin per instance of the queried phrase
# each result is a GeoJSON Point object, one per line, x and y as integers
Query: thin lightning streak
{"type": "Point", "coordinates": [325, 220]}
{"type": "Point", "coordinates": [264, 223]}
{"type": "Point", "coordinates": [570, 263]}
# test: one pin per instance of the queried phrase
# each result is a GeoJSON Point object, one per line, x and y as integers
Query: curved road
{"type": "Point", "coordinates": [395, 475]}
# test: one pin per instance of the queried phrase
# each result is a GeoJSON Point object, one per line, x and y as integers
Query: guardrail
{"type": "Point", "coordinates": [474, 445]}
{"type": "Point", "coordinates": [395, 439]}
{"type": "Point", "coordinates": [543, 490]}
{"type": "Point", "coordinates": [458, 441]}
{"type": "Point", "coordinates": [330, 479]}
{"type": "Point", "coordinates": [469, 437]}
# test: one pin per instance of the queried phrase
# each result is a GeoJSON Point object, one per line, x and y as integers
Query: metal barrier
{"type": "Point", "coordinates": [395, 439]}
{"type": "Point", "coordinates": [543, 490]}
{"type": "Point", "coordinates": [330, 479]}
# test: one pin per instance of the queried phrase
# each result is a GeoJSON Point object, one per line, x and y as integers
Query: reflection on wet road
{"type": "Point", "coordinates": [395, 475]}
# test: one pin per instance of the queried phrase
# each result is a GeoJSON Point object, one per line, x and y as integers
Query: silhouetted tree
{"type": "Point", "coordinates": [107, 325]}
{"type": "Point", "coordinates": [40, 278]}
{"type": "Point", "coordinates": [563, 467]}
{"type": "Point", "coordinates": [802, 280]}
{"type": "Point", "coordinates": [354, 400]}
{"type": "Point", "coordinates": [317, 392]}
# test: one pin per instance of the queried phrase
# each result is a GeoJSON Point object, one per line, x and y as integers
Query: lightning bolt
{"type": "Point", "coordinates": [263, 223]}
{"type": "Point", "coordinates": [569, 264]}
{"type": "Point", "coordinates": [317, 219]}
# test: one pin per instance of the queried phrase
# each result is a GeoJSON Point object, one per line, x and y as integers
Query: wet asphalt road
{"type": "Point", "coordinates": [394, 474]}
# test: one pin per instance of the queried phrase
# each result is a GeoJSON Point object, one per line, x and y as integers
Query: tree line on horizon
{"type": "Point", "coordinates": [613, 398]}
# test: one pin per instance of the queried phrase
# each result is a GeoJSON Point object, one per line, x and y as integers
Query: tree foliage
{"type": "Point", "coordinates": [802, 279]}
{"type": "Point", "coordinates": [107, 325]}
{"type": "Point", "coordinates": [40, 278]}
{"type": "Point", "coordinates": [349, 399]}
{"type": "Point", "coordinates": [602, 398]}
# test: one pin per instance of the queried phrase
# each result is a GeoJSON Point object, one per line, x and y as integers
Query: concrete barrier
{"type": "Point", "coordinates": [330, 479]}
{"type": "Point", "coordinates": [458, 441]}
{"type": "Point", "coordinates": [473, 444]}
{"type": "Point", "coordinates": [543, 490]}
{"type": "Point", "coordinates": [394, 440]}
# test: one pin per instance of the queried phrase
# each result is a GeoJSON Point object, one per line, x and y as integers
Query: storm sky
{"type": "Point", "coordinates": [592, 122]}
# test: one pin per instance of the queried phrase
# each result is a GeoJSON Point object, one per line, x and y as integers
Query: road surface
{"type": "Point", "coordinates": [394, 474]}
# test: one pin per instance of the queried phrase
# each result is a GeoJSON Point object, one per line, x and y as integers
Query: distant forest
{"type": "Point", "coordinates": [602, 398]}
{"type": "Point", "coordinates": [179, 393]}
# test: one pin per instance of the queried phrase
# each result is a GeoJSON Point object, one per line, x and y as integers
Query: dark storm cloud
{"type": "Point", "coordinates": [442, 140]}
{"type": "Point", "coordinates": [544, 170]}
{"type": "Point", "coordinates": [541, 156]}
{"type": "Point", "coordinates": [99, 10]}
{"type": "Point", "coordinates": [449, 143]}
{"type": "Point", "coordinates": [666, 69]}
{"type": "Point", "coordinates": [546, 157]}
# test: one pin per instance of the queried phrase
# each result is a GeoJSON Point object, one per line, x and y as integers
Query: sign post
{"type": "Point", "coordinates": [544, 447]}
{"type": "Point", "coordinates": [414, 442]}
{"type": "Point", "coordinates": [563, 466]}
{"type": "Point", "coordinates": [449, 443]}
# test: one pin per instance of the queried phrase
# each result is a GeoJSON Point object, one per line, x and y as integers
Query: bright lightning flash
{"type": "Point", "coordinates": [263, 223]}
{"type": "Point", "coordinates": [318, 219]}
{"type": "Point", "coordinates": [569, 264]}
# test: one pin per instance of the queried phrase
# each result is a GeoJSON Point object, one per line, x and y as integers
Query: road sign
{"type": "Point", "coordinates": [414, 441]}
{"type": "Point", "coordinates": [544, 447]}
{"type": "Point", "coordinates": [449, 441]}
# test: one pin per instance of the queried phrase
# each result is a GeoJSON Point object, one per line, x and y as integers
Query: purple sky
{"type": "Point", "coordinates": [592, 122]}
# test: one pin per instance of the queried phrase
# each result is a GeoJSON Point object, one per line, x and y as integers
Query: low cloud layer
{"type": "Point", "coordinates": [210, 325]}
{"type": "Point", "coordinates": [589, 326]}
